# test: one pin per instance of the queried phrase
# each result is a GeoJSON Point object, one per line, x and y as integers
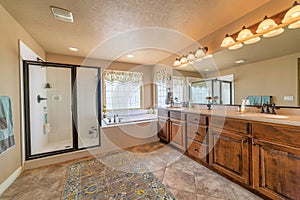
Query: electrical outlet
{"type": "Point", "coordinates": [289, 98]}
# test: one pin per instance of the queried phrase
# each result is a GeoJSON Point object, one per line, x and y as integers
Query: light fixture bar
{"type": "Point", "coordinates": [198, 55]}
{"type": "Point", "coordinates": [278, 18]}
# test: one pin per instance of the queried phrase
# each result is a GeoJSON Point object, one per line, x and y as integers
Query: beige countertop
{"type": "Point", "coordinates": [252, 116]}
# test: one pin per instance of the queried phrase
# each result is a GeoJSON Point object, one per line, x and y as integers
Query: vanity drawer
{"type": "Point", "coordinates": [177, 115]}
{"type": "Point", "coordinates": [197, 150]}
{"type": "Point", "coordinates": [196, 132]}
{"type": "Point", "coordinates": [283, 134]}
{"type": "Point", "coordinates": [236, 125]}
{"type": "Point", "coordinates": [196, 118]}
{"type": "Point", "coordinates": [163, 113]}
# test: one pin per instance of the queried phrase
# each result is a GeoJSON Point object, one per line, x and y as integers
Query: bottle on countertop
{"type": "Point", "coordinates": [243, 106]}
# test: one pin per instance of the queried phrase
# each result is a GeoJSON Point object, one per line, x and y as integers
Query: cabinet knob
{"type": "Point", "coordinates": [253, 143]}
{"type": "Point", "coordinates": [197, 150]}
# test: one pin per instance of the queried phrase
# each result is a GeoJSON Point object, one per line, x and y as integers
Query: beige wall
{"type": "Point", "coordinates": [145, 69]}
{"type": "Point", "coordinates": [277, 77]}
{"type": "Point", "coordinates": [10, 33]}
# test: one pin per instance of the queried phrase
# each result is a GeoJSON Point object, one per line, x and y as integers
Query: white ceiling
{"type": "Point", "coordinates": [109, 30]}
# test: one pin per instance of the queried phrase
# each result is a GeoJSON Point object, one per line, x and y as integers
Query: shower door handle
{"type": "Point", "coordinates": [39, 99]}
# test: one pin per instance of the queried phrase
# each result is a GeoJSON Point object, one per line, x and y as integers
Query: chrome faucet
{"type": "Point", "coordinates": [115, 118]}
{"type": "Point", "coordinates": [273, 107]}
{"type": "Point", "coordinates": [265, 108]}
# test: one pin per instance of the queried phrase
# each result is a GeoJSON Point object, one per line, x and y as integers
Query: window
{"type": "Point", "coordinates": [179, 86]}
{"type": "Point", "coordinates": [200, 90]}
{"type": "Point", "coordinates": [161, 88]}
{"type": "Point", "coordinates": [122, 89]}
{"type": "Point", "coordinates": [220, 90]}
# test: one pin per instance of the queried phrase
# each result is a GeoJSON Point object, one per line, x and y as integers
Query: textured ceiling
{"type": "Point", "coordinates": [99, 22]}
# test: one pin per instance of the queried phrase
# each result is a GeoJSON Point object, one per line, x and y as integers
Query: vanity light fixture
{"type": "Point", "coordinates": [266, 25]}
{"type": "Point", "coordinates": [294, 25]}
{"type": "Point", "coordinates": [267, 28]}
{"type": "Point", "coordinates": [199, 55]}
{"type": "Point", "coordinates": [191, 56]}
{"type": "Point", "coordinates": [291, 15]}
{"type": "Point", "coordinates": [228, 41]}
{"type": "Point", "coordinates": [273, 33]}
{"type": "Point", "coordinates": [183, 60]}
{"type": "Point", "coordinates": [201, 52]}
{"type": "Point", "coordinates": [247, 36]}
{"type": "Point", "coordinates": [177, 62]}
{"type": "Point", "coordinates": [236, 46]}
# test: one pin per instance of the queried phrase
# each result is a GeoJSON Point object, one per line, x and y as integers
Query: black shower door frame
{"type": "Point", "coordinates": [75, 135]}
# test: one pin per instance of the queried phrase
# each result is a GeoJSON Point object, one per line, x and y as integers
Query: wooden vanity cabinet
{"type": "Point", "coordinates": [230, 148]}
{"type": "Point", "coordinates": [178, 130]}
{"type": "Point", "coordinates": [276, 160]}
{"type": "Point", "coordinates": [197, 139]}
{"type": "Point", "coordinates": [163, 125]}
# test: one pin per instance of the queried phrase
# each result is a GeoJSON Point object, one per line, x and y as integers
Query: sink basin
{"type": "Point", "coordinates": [275, 116]}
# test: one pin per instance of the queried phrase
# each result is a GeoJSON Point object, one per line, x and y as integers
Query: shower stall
{"type": "Point", "coordinates": [62, 108]}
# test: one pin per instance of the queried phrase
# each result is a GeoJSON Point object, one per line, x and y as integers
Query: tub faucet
{"type": "Point", "coordinates": [115, 118]}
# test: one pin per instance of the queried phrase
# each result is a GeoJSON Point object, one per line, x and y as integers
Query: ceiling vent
{"type": "Point", "coordinates": [62, 14]}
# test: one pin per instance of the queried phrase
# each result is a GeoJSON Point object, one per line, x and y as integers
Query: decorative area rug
{"type": "Point", "coordinates": [118, 176]}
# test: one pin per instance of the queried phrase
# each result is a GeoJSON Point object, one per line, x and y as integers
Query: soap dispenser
{"type": "Point", "coordinates": [243, 106]}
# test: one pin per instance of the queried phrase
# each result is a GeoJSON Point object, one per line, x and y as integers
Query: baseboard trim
{"type": "Point", "coordinates": [10, 179]}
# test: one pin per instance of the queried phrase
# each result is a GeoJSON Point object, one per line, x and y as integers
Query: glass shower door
{"type": "Point", "coordinates": [88, 109]}
{"type": "Point", "coordinates": [50, 113]}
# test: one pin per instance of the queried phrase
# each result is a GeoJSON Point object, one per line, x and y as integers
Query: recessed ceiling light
{"type": "Point", "coordinates": [206, 70]}
{"type": "Point", "coordinates": [130, 56]}
{"type": "Point", "coordinates": [240, 61]}
{"type": "Point", "coordinates": [73, 49]}
{"type": "Point", "coordinates": [62, 14]}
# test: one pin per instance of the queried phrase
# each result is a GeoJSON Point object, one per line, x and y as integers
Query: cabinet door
{"type": "Point", "coordinates": [229, 154]}
{"type": "Point", "coordinates": [163, 129]}
{"type": "Point", "coordinates": [178, 133]}
{"type": "Point", "coordinates": [276, 170]}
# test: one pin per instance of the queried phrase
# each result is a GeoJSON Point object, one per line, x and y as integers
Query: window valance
{"type": "Point", "coordinates": [161, 76]}
{"type": "Point", "coordinates": [200, 85]}
{"type": "Point", "coordinates": [123, 76]}
{"type": "Point", "coordinates": [177, 80]}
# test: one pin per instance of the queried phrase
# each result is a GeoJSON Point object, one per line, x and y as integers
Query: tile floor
{"type": "Point", "coordinates": [185, 178]}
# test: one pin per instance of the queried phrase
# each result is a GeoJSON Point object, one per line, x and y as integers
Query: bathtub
{"type": "Point", "coordinates": [128, 117]}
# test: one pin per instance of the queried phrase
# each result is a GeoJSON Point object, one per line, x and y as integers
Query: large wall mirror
{"type": "Point", "coordinates": [269, 68]}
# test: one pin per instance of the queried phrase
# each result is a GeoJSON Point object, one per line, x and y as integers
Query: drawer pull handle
{"type": "Point", "coordinates": [245, 141]}
{"type": "Point", "coordinates": [197, 150]}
